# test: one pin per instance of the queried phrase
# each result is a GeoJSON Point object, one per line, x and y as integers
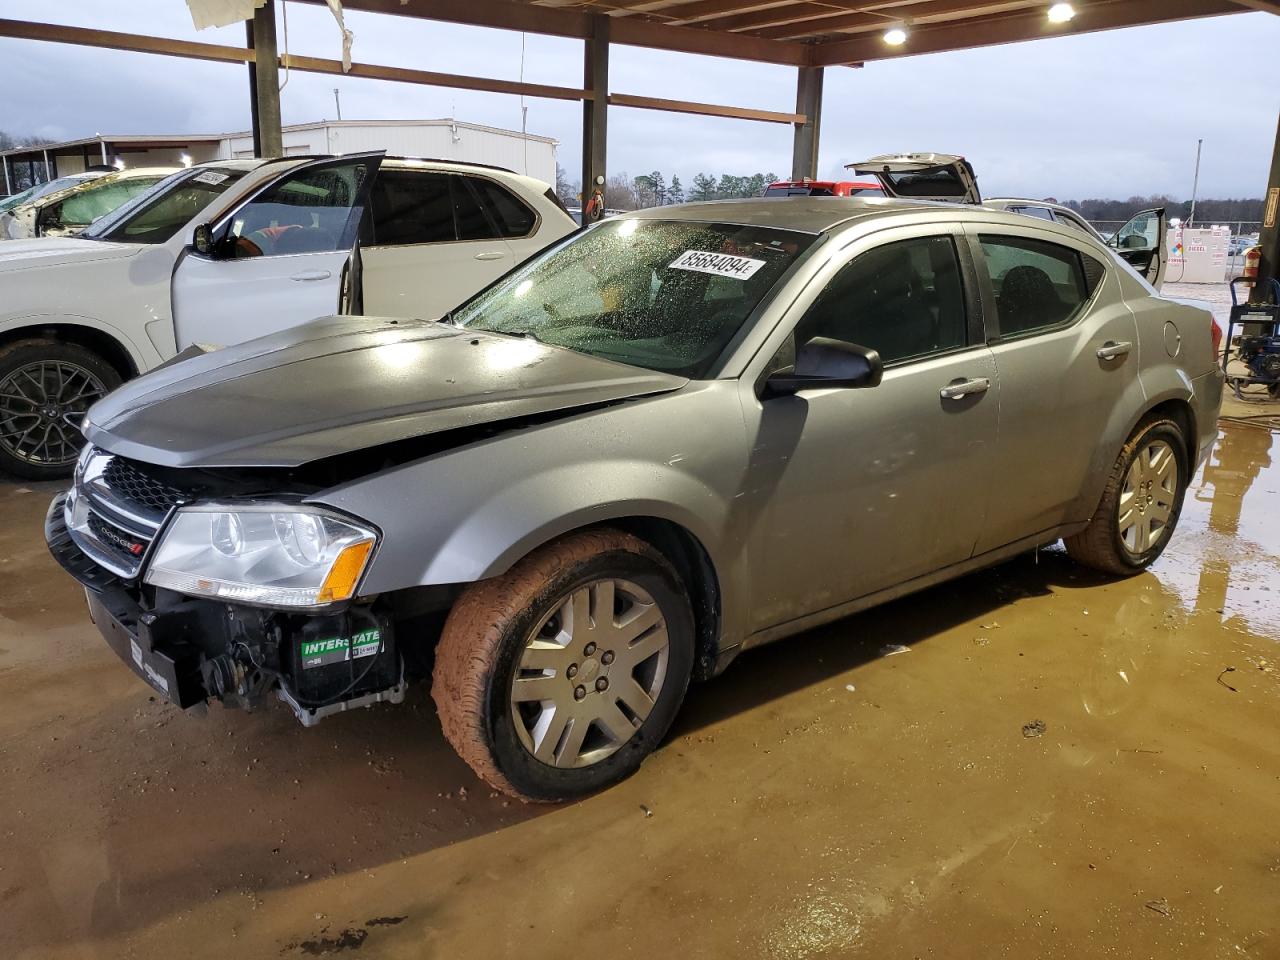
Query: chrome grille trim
{"type": "Point", "coordinates": [102, 519]}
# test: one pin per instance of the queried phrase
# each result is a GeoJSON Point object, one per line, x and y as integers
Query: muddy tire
{"type": "Point", "coordinates": [45, 387]}
{"type": "Point", "coordinates": [1141, 504]}
{"type": "Point", "coordinates": [559, 677]}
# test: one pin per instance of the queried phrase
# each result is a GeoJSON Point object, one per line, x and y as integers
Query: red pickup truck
{"type": "Point", "coordinates": [824, 188]}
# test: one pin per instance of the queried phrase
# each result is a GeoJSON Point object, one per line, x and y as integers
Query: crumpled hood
{"type": "Point", "coordinates": [58, 251]}
{"type": "Point", "coordinates": [344, 384]}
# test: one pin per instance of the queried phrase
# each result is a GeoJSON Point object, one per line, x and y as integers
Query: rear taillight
{"type": "Point", "coordinates": [1215, 332]}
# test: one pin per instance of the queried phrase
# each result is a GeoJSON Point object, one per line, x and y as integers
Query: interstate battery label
{"type": "Point", "coordinates": [719, 264]}
{"type": "Point", "coordinates": [319, 653]}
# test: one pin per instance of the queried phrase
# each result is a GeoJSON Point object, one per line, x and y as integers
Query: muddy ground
{"type": "Point", "coordinates": [1058, 766]}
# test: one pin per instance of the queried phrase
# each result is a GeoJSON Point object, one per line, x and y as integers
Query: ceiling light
{"type": "Point", "coordinates": [1061, 12]}
{"type": "Point", "coordinates": [896, 35]}
{"type": "Point", "coordinates": [186, 159]}
{"type": "Point", "coordinates": [119, 163]}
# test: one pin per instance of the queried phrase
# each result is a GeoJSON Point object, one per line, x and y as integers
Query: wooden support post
{"type": "Point", "coordinates": [264, 83]}
{"type": "Point", "coordinates": [804, 148]}
{"type": "Point", "coordinates": [595, 110]}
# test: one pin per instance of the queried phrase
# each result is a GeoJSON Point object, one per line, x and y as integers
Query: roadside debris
{"type": "Point", "coordinates": [1160, 906]}
{"type": "Point", "coordinates": [1224, 683]}
{"type": "Point", "coordinates": [1035, 728]}
{"type": "Point", "coordinates": [981, 641]}
{"type": "Point", "coordinates": [647, 812]}
{"type": "Point", "coordinates": [891, 649]}
{"type": "Point", "coordinates": [850, 687]}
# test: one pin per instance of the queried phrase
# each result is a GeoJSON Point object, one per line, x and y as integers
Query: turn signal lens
{"type": "Point", "coordinates": [343, 576]}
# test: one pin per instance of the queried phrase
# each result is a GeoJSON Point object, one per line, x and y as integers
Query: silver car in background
{"type": "Point", "coordinates": [683, 433]}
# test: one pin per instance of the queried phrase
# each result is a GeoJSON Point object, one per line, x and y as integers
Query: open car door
{"type": "Point", "coordinates": [922, 176]}
{"type": "Point", "coordinates": [1142, 241]}
{"type": "Point", "coordinates": [280, 258]}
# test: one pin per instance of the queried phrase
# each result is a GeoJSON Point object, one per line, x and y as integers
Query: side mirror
{"type": "Point", "coordinates": [202, 240]}
{"type": "Point", "coordinates": [824, 364]}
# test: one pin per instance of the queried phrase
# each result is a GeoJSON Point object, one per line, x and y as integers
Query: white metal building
{"type": "Point", "coordinates": [444, 139]}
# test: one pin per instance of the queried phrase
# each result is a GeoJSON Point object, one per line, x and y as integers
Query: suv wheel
{"type": "Point", "coordinates": [558, 678]}
{"type": "Point", "coordinates": [1141, 503]}
{"type": "Point", "coordinates": [46, 386]}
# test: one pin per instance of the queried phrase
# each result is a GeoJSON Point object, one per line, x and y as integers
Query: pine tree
{"type": "Point", "coordinates": [704, 187]}
{"type": "Point", "coordinates": [675, 192]}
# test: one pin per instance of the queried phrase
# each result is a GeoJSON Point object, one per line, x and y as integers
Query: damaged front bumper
{"type": "Point", "coordinates": [193, 650]}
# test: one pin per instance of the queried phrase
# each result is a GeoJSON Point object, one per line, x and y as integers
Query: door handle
{"type": "Point", "coordinates": [490, 255]}
{"type": "Point", "coordinates": [965, 388]}
{"type": "Point", "coordinates": [312, 275]}
{"type": "Point", "coordinates": [1112, 350]}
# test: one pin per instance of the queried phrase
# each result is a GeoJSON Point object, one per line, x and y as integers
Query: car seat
{"type": "Point", "coordinates": [1028, 300]}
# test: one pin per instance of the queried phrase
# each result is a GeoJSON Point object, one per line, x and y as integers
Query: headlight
{"type": "Point", "coordinates": [274, 554]}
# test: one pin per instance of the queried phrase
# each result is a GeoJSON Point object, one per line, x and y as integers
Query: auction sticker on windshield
{"type": "Point", "coordinates": [211, 177]}
{"type": "Point", "coordinates": [719, 264]}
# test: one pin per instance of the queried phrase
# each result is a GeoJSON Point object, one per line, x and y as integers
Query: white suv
{"type": "Point", "coordinates": [231, 250]}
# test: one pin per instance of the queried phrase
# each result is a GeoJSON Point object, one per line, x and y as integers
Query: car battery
{"type": "Point", "coordinates": [333, 659]}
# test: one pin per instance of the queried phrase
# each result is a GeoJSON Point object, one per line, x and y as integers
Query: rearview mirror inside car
{"type": "Point", "coordinates": [202, 240]}
{"type": "Point", "coordinates": [824, 363]}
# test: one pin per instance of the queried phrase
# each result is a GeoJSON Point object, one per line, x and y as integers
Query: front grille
{"type": "Point", "coordinates": [131, 484]}
{"type": "Point", "coordinates": [116, 509]}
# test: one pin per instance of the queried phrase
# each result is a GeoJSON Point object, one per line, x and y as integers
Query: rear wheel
{"type": "Point", "coordinates": [1141, 503]}
{"type": "Point", "coordinates": [560, 677]}
{"type": "Point", "coordinates": [46, 386]}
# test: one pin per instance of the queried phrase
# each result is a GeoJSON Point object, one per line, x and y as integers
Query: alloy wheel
{"type": "Point", "coordinates": [41, 404]}
{"type": "Point", "coordinates": [1148, 497]}
{"type": "Point", "coordinates": [590, 673]}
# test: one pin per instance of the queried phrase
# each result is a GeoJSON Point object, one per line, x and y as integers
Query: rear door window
{"type": "Point", "coordinates": [1038, 285]}
{"type": "Point", "coordinates": [468, 214]}
{"type": "Point", "coordinates": [411, 206]}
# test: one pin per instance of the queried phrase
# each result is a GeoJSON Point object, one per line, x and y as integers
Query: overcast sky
{"type": "Point", "coordinates": [1100, 115]}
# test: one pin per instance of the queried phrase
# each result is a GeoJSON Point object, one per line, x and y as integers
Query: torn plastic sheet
{"type": "Point", "coordinates": [221, 13]}
{"type": "Point", "coordinates": [347, 36]}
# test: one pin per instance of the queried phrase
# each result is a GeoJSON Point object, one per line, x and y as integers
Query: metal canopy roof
{"type": "Point", "coordinates": [807, 32]}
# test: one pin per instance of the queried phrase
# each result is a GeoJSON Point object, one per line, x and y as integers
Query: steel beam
{"type": "Point", "coordinates": [804, 146]}
{"type": "Point", "coordinates": [595, 77]}
{"type": "Point", "coordinates": [268, 141]}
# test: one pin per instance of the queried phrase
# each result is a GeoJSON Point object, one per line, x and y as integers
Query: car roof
{"type": "Point", "coordinates": [803, 213]}
{"type": "Point", "coordinates": [825, 214]}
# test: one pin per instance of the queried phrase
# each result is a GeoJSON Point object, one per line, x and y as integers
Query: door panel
{"type": "Point", "coordinates": [861, 489]}
{"type": "Point", "coordinates": [223, 302]}
{"type": "Point", "coordinates": [1060, 381]}
{"type": "Point", "coordinates": [433, 245]}
{"type": "Point", "coordinates": [278, 259]}
{"type": "Point", "coordinates": [429, 280]}
{"type": "Point", "coordinates": [864, 489]}
{"type": "Point", "coordinates": [1141, 242]}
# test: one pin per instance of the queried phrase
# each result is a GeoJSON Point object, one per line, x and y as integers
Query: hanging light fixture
{"type": "Point", "coordinates": [896, 35]}
{"type": "Point", "coordinates": [1061, 13]}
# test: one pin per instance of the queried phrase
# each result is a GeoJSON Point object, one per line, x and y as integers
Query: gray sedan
{"type": "Point", "coordinates": [670, 438]}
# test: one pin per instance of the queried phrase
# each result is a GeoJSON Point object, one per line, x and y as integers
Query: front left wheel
{"type": "Point", "coordinates": [46, 386]}
{"type": "Point", "coordinates": [558, 678]}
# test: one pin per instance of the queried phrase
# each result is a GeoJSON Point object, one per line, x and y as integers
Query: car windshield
{"type": "Point", "coordinates": [39, 190]}
{"type": "Point", "coordinates": [663, 294]}
{"type": "Point", "coordinates": [156, 215]}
